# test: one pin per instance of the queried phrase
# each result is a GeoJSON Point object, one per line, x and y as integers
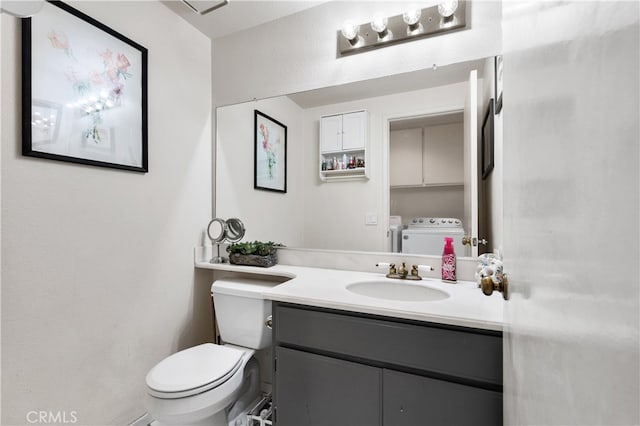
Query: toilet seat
{"type": "Point", "coordinates": [193, 371]}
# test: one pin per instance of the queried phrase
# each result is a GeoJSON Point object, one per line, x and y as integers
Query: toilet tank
{"type": "Point", "coordinates": [241, 311]}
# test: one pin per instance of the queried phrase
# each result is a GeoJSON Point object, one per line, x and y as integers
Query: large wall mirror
{"type": "Point", "coordinates": [421, 163]}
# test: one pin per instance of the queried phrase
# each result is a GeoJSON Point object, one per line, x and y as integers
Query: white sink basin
{"type": "Point", "coordinates": [397, 290]}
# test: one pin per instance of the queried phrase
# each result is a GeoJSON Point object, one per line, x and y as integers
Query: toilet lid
{"type": "Point", "coordinates": [195, 368]}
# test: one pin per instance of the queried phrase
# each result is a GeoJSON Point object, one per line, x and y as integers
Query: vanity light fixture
{"type": "Point", "coordinates": [447, 8]}
{"type": "Point", "coordinates": [350, 32]}
{"type": "Point", "coordinates": [413, 24]}
{"type": "Point", "coordinates": [412, 18]}
{"type": "Point", "coordinates": [379, 25]}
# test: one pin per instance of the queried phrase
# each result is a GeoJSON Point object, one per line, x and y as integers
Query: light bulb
{"type": "Point", "coordinates": [379, 24]}
{"type": "Point", "coordinates": [350, 30]}
{"type": "Point", "coordinates": [447, 8]}
{"type": "Point", "coordinates": [411, 16]}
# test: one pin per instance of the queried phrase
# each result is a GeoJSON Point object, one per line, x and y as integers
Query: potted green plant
{"type": "Point", "coordinates": [255, 253]}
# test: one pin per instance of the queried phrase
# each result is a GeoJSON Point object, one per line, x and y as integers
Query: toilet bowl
{"type": "Point", "coordinates": [212, 384]}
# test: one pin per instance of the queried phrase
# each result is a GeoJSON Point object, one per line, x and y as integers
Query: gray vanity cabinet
{"type": "Point", "coordinates": [336, 368]}
{"type": "Point", "coordinates": [411, 400]}
{"type": "Point", "coordinates": [321, 391]}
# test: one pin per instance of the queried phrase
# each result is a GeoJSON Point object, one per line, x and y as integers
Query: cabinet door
{"type": "Point", "coordinates": [331, 133]}
{"type": "Point", "coordinates": [410, 400]}
{"type": "Point", "coordinates": [405, 157]}
{"type": "Point", "coordinates": [317, 390]}
{"type": "Point", "coordinates": [444, 153]}
{"type": "Point", "coordinates": [354, 130]}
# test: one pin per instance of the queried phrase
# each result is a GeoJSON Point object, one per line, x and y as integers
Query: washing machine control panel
{"type": "Point", "coordinates": [435, 222]}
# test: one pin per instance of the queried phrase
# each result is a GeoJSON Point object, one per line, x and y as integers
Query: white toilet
{"type": "Point", "coordinates": [216, 384]}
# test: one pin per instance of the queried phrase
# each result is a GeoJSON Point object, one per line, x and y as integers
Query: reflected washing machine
{"type": "Point", "coordinates": [425, 235]}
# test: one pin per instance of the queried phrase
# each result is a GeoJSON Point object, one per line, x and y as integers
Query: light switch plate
{"type": "Point", "coordinates": [371, 219]}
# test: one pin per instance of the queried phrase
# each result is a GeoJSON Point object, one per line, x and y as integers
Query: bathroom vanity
{"type": "Point", "coordinates": [356, 348]}
{"type": "Point", "coordinates": [346, 368]}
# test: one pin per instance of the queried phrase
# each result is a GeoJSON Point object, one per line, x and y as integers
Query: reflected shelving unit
{"type": "Point", "coordinates": [343, 146]}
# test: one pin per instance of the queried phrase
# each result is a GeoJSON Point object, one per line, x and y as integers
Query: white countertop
{"type": "Point", "coordinates": [326, 288]}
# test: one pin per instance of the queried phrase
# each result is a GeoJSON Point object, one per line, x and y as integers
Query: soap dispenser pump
{"type": "Point", "coordinates": [448, 261]}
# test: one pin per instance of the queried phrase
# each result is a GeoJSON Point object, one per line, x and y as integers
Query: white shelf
{"type": "Point", "coordinates": [357, 170]}
{"type": "Point", "coordinates": [357, 173]}
{"type": "Point", "coordinates": [342, 151]}
{"type": "Point", "coordinates": [429, 185]}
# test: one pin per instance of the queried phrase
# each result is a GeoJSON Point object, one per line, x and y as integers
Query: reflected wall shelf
{"type": "Point", "coordinates": [357, 173]}
{"type": "Point", "coordinates": [429, 185]}
{"type": "Point", "coordinates": [343, 146]}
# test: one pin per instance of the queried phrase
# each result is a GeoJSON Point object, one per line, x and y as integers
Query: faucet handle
{"type": "Point", "coordinates": [384, 265]}
{"type": "Point", "coordinates": [424, 268]}
{"type": "Point", "coordinates": [414, 272]}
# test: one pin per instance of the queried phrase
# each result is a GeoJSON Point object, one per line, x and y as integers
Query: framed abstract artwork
{"type": "Point", "coordinates": [84, 91]}
{"type": "Point", "coordinates": [270, 154]}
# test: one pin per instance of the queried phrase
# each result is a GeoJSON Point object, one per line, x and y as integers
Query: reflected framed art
{"type": "Point", "coordinates": [270, 153]}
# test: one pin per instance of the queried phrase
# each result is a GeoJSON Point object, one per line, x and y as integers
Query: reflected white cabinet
{"type": "Point", "coordinates": [343, 145]}
{"type": "Point", "coordinates": [432, 155]}
{"type": "Point", "coordinates": [405, 157]}
{"type": "Point", "coordinates": [331, 133]}
{"type": "Point", "coordinates": [443, 155]}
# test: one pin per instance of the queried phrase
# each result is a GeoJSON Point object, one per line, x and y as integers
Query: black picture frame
{"type": "Point", "coordinates": [94, 96]}
{"type": "Point", "coordinates": [498, 83]}
{"type": "Point", "coordinates": [270, 153]}
{"type": "Point", "coordinates": [487, 140]}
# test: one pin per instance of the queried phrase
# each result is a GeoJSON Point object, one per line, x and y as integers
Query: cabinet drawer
{"type": "Point", "coordinates": [452, 351]}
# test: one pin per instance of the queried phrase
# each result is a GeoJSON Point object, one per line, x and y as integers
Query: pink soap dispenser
{"type": "Point", "coordinates": [448, 261]}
